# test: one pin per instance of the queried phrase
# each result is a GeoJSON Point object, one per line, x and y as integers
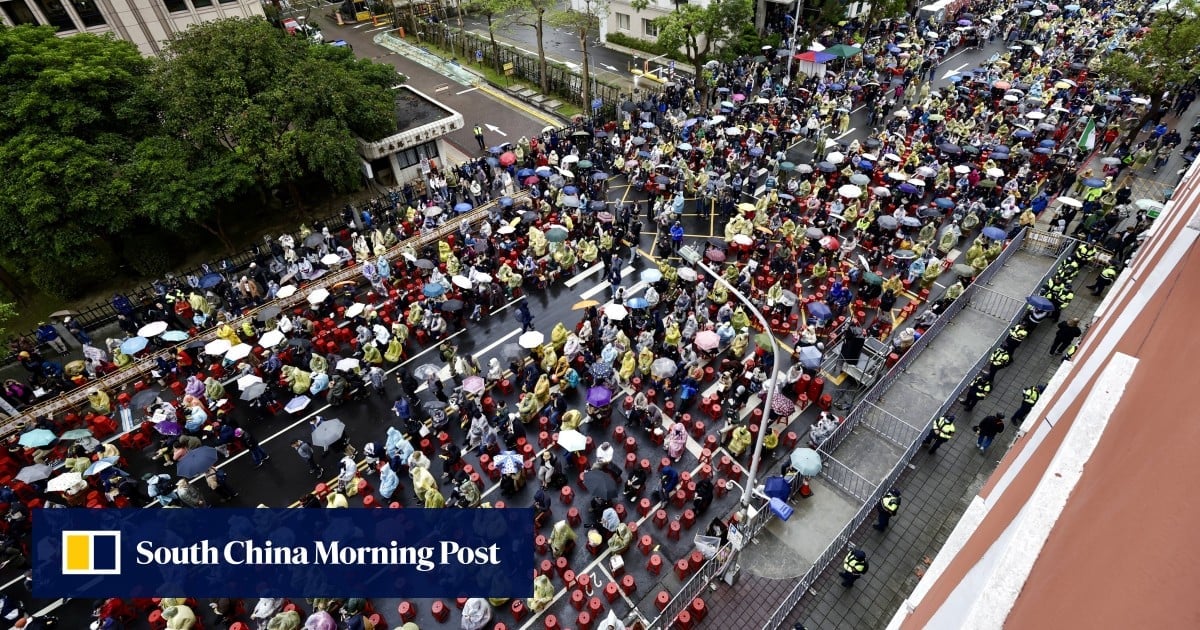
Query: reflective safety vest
{"type": "Point", "coordinates": [890, 503]}
{"type": "Point", "coordinates": [1018, 333]}
{"type": "Point", "coordinates": [853, 565]}
{"type": "Point", "coordinates": [478, 130]}
{"type": "Point", "coordinates": [1064, 297]}
{"type": "Point", "coordinates": [943, 427]}
{"type": "Point", "coordinates": [1071, 350]}
{"type": "Point", "coordinates": [1085, 252]}
{"type": "Point", "coordinates": [1109, 273]}
{"type": "Point", "coordinates": [1000, 357]}
{"type": "Point", "coordinates": [1031, 395]}
{"type": "Point", "coordinates": [982, 388]}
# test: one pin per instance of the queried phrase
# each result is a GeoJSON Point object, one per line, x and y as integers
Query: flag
{"type": "Point", "coordinates": [1087, 140]}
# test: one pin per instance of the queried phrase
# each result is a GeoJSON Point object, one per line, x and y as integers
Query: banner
{"type": "Point", "coordinates": [298, 553]}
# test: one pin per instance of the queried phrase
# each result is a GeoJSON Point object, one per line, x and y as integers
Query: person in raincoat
{"type": "Point", "coordinates": [628, 365]}
{"type": "Point", "coordinates": [297, 378]}
{"type": "Point", "coordinates": [740, 320]}
{"type": "Point", "coordinates": [562, 538]}
{"type": "Point", "coordinates": [543, 594]}
{"type": "Point", "coordinates": [287, 620]}
{"type": "Point", "coordinates": [227, 333]}
{"type": "Point", "coordinates": [558, 336]}
{"type": "Point", "coordinates": [676, 441]}
{"type": "Point", "coordinates": [476, 613]}
{"type": "Point", "coordinates": [423, 482]}
{"type": "Point", "coordinates": [100, 403]}
{"type": "Point", "coordinates": [318, 364]}
{"type": "Point", "coordinates": [389, 481]}
{"type": "Point", "coordinates": [371, 354]}
{"type": "Point", "coordinates": [645, 360]}
{"type": "Point", "coordinates": [179, 617]}
{"type": "Point", "coordinates": [739, 441]}
{"type": "Point", "coordinates": [397, 447]}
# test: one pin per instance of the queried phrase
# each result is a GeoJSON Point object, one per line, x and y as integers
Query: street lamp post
{"type": "Point", "coordinates": [693, 257]}
{"type": "Point", "coordinates": [795, 33]}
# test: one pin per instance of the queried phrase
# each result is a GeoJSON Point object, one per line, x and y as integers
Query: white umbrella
{"type": "Point", "coordinates": [64, 482]}
{"type": "Point", "coordinates": [217, 347]}
{"type": "Point", "coordinates": [355, 309]}
{"type": "Point", "coordinates": [346, 365]}
{"type": "Point", "coordinates": [917, 182]}
{"type": "Point", "coordinates": [483, 277]}
{"type": "Point", "coordinates": [572, 440]}
{"type": "Point", "coordinates": [835, 158]}
{"type": "Point", "coordinates": [531, 340]}
{"type": "Point", "coordinates": [506, 229]}
{"type": "Point", "coordinates": [1035, 115]}
{"type": "Point", "coordinates": [743, 240]}
{"type": "Point", "coordinates": [891, 156]}
{"type": "Point", "coordinates": [318, 296]}
{"type": "Point", "coordinates": [330, 259]}
{"type": "Point", "coordinates": [271, 338]}
{"type": "Point", "coordinates": [461, 281]}
{"type": "Point", "coordinates": [432, 211]}
{"type": "Point", "coordinates": [569, 159]}
{"type": "Point", "coordinates": [687, 274]}
{"type": "Point", "coordinates": [616, 312]}
{"type": "Point", "coordinates": [962, 169]}
{"type": "Point", "coordinates": [995, 172]}
{"type": "Point", "coordinates": [870, 156]}
{"type": "Point", "coordinates": [153, 329]}
{"type": "Point", "coordinates": [286, 291]}
{"type": "Point", "coordinates": [898, 176]}
{"type": "Point", "coordinates": [1070, 201]}
{"type": "Point", "coordinates": [850, 191]}
{"type": "Point", "coordinates": [240, 351]}
{"type": "Point", "coordinates": [246, 381]}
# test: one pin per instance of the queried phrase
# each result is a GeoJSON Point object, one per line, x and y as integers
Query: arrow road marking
{"type": "Point", "coordinates": [950, 73]}
{"type": "Point", "coordinates": [495, 129]}
{"type": "Point", "coordinates": [608, 67]}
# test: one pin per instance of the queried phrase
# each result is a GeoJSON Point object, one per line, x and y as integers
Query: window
{"type": "Point", "coordinates": [649, 28]}
{"type": "Point", "coordinates": [412, 157]}
{"type": "Point", "coordinates": [56, 14]}
{"type": "Point", "coordinates": [175, 6]}
{"type": "Point", "coordinates": [623, 21]}
{"type": "Point", "coordinates": [199, 4]}
{"type": "Point", "coordinates": [18, 12]}
{"type": "Point", "coordinates": [88, 12]}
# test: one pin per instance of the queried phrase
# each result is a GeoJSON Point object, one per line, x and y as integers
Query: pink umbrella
{"type": "Point", "coordinates": [715, 254]}
{"type": "Point", "coordinates": [508, 158]}
{"type": "Point", "coordinates": [738, 98]}
{"type": "Point", "coordinates": [531, 180]}
{"type": "Point", "coordinates": [707, 340]}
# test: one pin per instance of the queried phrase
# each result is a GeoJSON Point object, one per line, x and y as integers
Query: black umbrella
{"type": "Point", "coordinates": [452, 305]}
{"type": "Point", "coordinates": [268, 313]}
{"type": "Point", "coordinates": [300, 343]}
{"type": "Point", "coordinates": [513, 351]}
{"type": "Point", "coordinates": [144, 398]}
{"type": "Point", "coordinates": [600, 484]}
{"type": "Point", "coordinates": [628, 106]}
{"type": "Point", "coordinates": [197, 344]}
{"type": "Point", "coordinates": [719, 243]}
{"type": "Point", "coordinates": [424, 263]}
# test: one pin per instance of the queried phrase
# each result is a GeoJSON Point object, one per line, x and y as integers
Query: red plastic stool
{"type": "Point", "coordinates": [407, 612]}
{"type": "Point", "coordinates": [578, 599]}
{"type": "Point", "coordinates": [705, 472]}
{"type": "Point", "coordinates": [518, 610]}
{"type": "Point", "coordinates": [369, 501]}
{"type": "Point", "coordinates": [631, 445]}
{"type": "Point", "coordinates": [544, 439]}
{"type": "Point", "coordinates": [698, 609]}
{"type": "Point", "coordinates": [611, 592]}
{"type": "Point", "coordinates": [628, 584]}
{"type": "Point", "coordinates": [574, 518]}
{"type": "Point", "coordinates": [644, 506]}
{"type": "Point", "coordinates": [584, 621]}
{"type": "Point", "coordinates": [506, 387]}
{"type": "Point", "coordinates": [562, 565]}
{"type": "Point", "coordinates": [618, 434]}
{"type": "Point", "coordinates": [663, 463]}
{"type": "Point", "coordinates": [682, 569]}
{"type": "Point", "coordinates": [721, 488]}
{"type": "Point", "coordinates": [688, 518]}
{"type": "Point", "coordinates": [568, 578]}
{"type": "Point", "coordinates": [620, 510]}
{"type": "Point", "coordinates": [726, 464]}
{"type": "Point", "coordinates": [661, 600]}
{"type": "Point", "coordinates": [654, 565]}
{"type": "Point", "coordinates": [684, 621]}
{"type": "Point", "coordinates": [439, 611]}
{"type": "Point", "coordinates": [645, 544]}
{"type": "Point", "coordinates": [660, 519]}
{"type": "Point", "coordinates": [790, 439]}
{"type": "Point", "coordinates": [695, 561]}
{"type": "Point", "coordinates": [550, 622]}
{"type": "Point", "coordinates": [595, 606]}
{"type": "Point", "coordinates": [156, 620]}
{"type": "Point", "coordinates": [698, 429]}
{"type": "Point", "coordinates": [674, 530]}
{"type": "Point", "coordinates": [644, 464]}
{"type": "Point", "coordinates": [711, 443]}
{"type": "Point", "coordinates": [460, 603]}
{"type": "Point", "coordinates": [679, 498]}
{"type": "Point", "coordinates": [546, 568]}
{"type": "Point", "coordinates": [567, 495]}
{"type": "Point", "coordinates": [631, 460]}
{"type": "Point", "coordinates": [541, 544]}
{"type": "Point", "coordinates": [825, 402]}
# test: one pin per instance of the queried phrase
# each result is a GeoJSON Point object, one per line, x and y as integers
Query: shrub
{"type": "Point", "coordinates": [150, 255]}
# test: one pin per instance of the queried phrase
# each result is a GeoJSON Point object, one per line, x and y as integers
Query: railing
{"type": "Point", "coordinates": [888, 425]}
{"type": "Point", "coordinates": [994, 303]}
{"type": "Point", "coordinates": [844, 477]}
{"type": "Point", "coordinates": [1046, 243]}
{"type": "Point", "coordinates": [138, 370]}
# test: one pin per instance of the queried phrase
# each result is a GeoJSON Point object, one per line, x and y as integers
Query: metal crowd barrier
{"type": "Point", "coordinates": [139, 369]}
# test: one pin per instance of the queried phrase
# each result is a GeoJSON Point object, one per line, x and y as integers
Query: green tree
{"type": "Point", "coordinates": [1163, 59]}
{"type": "Point", "coordinates": [245, 108]}
{"type": "Point", "coordinates": [533, 14]}
{"type": "Point", "coordinates": [499, 15]}
{"type": "Point", "coordinates": [701, 33]}
{"type": "Point", "coordinates": [884, 10]}
{"type": "Point", "coordinates": [69, 117]}
{"type": "Point", "coordinates": [581, 23]}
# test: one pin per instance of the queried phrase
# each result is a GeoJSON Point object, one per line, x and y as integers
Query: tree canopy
{"type": "Point", "coordinates": [701, 33]}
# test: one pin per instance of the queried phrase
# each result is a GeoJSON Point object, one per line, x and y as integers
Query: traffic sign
{"type": "Point", "coordinates": [597, 103]}
{"type": "Point", "coordinates": [479, 55]}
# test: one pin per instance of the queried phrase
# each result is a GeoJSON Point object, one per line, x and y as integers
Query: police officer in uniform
{"type": "Point", "coordinates": [1016, 335]}
{"type": "Point", "coordinates": [1062, 298]}
{"type": "Point", "coordinates": [1000, 359]}
{"type": "Point", "coordinates": [940, 433]}
{"type": "Point", "coordinates": [478, 131]}
{"type": "Point", "coordinates": [1029, 398]}
{"type": "Point", "coordinates": [1106, 277]}
{"type": "Point", "coordinates": [854, 566]}
{"type": "Point", "coordinates": [888, 507]}
{"type": "Point", "coordinates": [980, 388]}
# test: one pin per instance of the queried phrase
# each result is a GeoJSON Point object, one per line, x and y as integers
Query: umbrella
{"type": "Point", "coordinates": [427, 371]}
{"type": "Point", "coordinates": [904, 254]}
{"type": "Point", "coordinates": [826, 167]}
{"type": "Point", "coordinates": [962, 169]}
{"type": "Point", "coordinates": [887, 222]}
{"type": "Point", "coordinates": [297, 404]}
{"type": "Point", "coordinates": [196, 462]}
{"type": "Point", "coordinates": [649, 276]}
{"type": "Point", "coordinates": [509, 462]}
{"type": "Point", "coordinates": [508, 158]}
{"type": "Point", "coordinates": [1070, 201]}
{"type": "Point", "coordinates": [714, 254]}
{"type": "Point", "coordinates": [330, 259]}
{"type": "Point", "coordinates": [810, 357]}
{"type": "Point", "coordinates": [34, 473]}
{"type": "Point", "coordinates": [99, 465]}
{"type": "Point", "coordinates": [830, 242]}
{"type": "Point", "coordinates": [945, 203]}
{"type": "Point", "coordinates": [318, 296]}
{"type": "Point", "coordinates": [850, 191]}
{"type": "Point", "coordinates": [253, 391]}
{"type": "Point", "coordinates": [994, 233]}
{"type": "Point", "coordinates": [637, 302]}
{"type": "Point", "coordinates": [461, 281]}
{"type": "Point", "coordinates": [600, 484]}
{"type": "Point", "coordinates": [789, 298]}
{"type": "Point", "coordinates": [300, 343]}
{"type": "Point", "coordinates": [950, 147]}
{"type": "Point", "coordinates": [813, 232]}
{"type": "Point", "coordinates": [616, 312]}
{"type": "Point", "coordinates": [599, 396]}
{"type": "Point", "coordinates": [474, 385]}
{"type": "Point", "coordinates": [217, 347]}
{"type": "Point", "coordinates": [174, 335]}
{"type": "Point", "coordinates": [1093, 182]}
{"type": "Point", "coordinates": [910, 222]}
{"type": "Point", "coordinates": [134, 345]}
{"type": "Point", "coordinates": [899, 176]}
{"type": "Point", "coordinates": [572, 440]}
{"type": "Point", "coordinates": [687, 274]}
{"type": "Point", "coordinates": [328, 432]}
{"type": "Point", "coordinates": [285, 291]}
{"type": "Point", "coordinates": [579, 306]}
{"type": "Point", "coordinates": [267, 313]}
{"type": "Point", "coordinates": [806, 461]}
{"type": "Point", "coordinates": [601, 370]}
{"type": "Point", "coordinates": [556, 234]}
{"type": "Point", "coordinates": [76, 434]}
{"type": "Point", "coordinates": [451, 306]}
{"type": "Point", "coordinates": [782, 406]}
{"type": "Point", "coordinates": [64, 482]}
{"type": "Point", "coordinates": [819, 310]}
{"type": "Point", "coordinates": [787, 166]}
{"type": "Point", "coordinates": [346, 365]}
{"type": "Point", "coordinates": [210, 280]}
{"type": "Point", "coordinates": [743, 240]}
{"type": "Point", "coordinates": [271, 338]}
{"type": "Point", "coordinates": [239, 352]}
{"type": "Point", "coordinates": [153, 329]}
{"type": "Point", "coordinates": [858, 179]}
{"type": "Point", "coordinates": [531, 340]}
{"type": "Point", "coordinates": [663, 368]}
{"type": "Point", "coordinates": [38, 438]}
{"type": "Point", "coordinates": [707, 340]}
{"type": "Point", "coordinates": [433, 290]}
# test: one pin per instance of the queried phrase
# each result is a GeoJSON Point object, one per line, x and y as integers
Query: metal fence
{"type": "Point", "coordinates": [888, 425]}
{"type": "Point", "coordinates": [139, 370]}
{"type": "Point", "coordinates": [994, 303]}
{"type": "Point", "coordinates": [844, 477]}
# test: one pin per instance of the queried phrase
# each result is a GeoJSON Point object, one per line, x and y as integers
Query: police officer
{"type": "Point", "coordinates": [1084, 253]}
{"type": "Point", "coordinates": [854, 566]}
{"type": "Point", "coordinates": [1016, 335]}
{"type": "Point", "coordinates": [1062, 299]}
{"type": "Point", "coordinates": [478, 131]}
{"type": "Point", "coordinates": [1029, 398]}
{"type": "Point", "coordinates": [888, 507]}
{"type": "Point", "coordinates": [980, 388]}
{"type": "Point", "coordinates": [999, 360]}
{"type": "Point", "coordinates": [940, 433]}
{"type": "Point", "coordinates": [1106, 277]}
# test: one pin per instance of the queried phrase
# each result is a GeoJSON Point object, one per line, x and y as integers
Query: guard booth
{"type": "Point", "coordinates": [355, 11]}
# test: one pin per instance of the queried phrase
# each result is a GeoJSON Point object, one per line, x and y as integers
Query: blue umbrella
{"type": "Point", "coordinates": [1022, 134]}
{"type": "Point", "coordinates": [892, 48]}
{"type": "Point", "coordinates": [1000, 156]}
{"type": "Point", "coordinates": [994, 233]}
{"type": "Point", "coordinates": [956, 78]}
{"type": "Point", "coordinates": [908, 188]}
{"type": "Point", "coordinates": [462, 207]}
{"type": "Point", "coordinates": [196, 461]}
{"type": "Point", "coordinates": [134, 345]}
{"type": "Point", "coordinates": [945, 203]}
{"type": "Point", "coordinates": [1042, 150]}
{"type": "Point", "coordinates": [819, 310]}
{"type": "Point", "coordinates": [434, 289]}
{"type": "Point", "coordinates": [1040, 303]}
{"type": "Point", "coordinates": [210, 280]}
{"type": "Point", "coordinates": [866, 165]}
{"type": "Point", "coordinates": [837, 87]}
{"type": "Point", "coordinates": [826, 167]}
{"type": "Point", "coordinates": [756, 152]}
{"type": "Point", "coordinates": [599, 176]}
{"type": "Point", "coordinates": [690, 123]}
{"type": "Point", "coordinates": [525, 172]}
{"type": "Point", "coordinates": [174, 335]}
{"type": "Point", "coordinates": [1048, 143]}
{"type": "Point", "coordinates": [496, 150]}
{"type": "Point", "coordinates": [570, 190]}
{"type": "Point", "coordinates": [37, 438]}
{"type": "Point", "coordinates": [786, 197]}
{"type": "Point", "coordinates": [1093, 182]}
{"type": "Point", "coordinates": [543, 171]}
{"type": "Point", "coordinates": [637, 302]}
{"type": "Point", "coordinates": [509, 462]}
{"type": "Point", "coordinates": [492, 161]}
{"type": "Point", "coordinates": [99, 465]}
{"type": "Point", "coordinates": [599, 396]}
{"type": "Point", "coordinates": [643, 154]}
{"type": "Point", "coordinates": [506, 202]}
{"type": "Point", "coordinates": [806, 461]}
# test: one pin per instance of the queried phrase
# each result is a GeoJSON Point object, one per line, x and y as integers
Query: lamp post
{"type": "Point", "coordinates": [692, 256]}
{"type": "Point", "coordinates": [795, 32]}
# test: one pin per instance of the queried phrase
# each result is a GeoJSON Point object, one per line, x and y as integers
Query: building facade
{"type": "Point", "coordinates": [145, 23]}
{"type": "Point", "coordinates": [421, 139]}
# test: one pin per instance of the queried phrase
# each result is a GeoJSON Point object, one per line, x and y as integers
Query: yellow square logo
{"type": "Point", "coordinates": [91, 553]}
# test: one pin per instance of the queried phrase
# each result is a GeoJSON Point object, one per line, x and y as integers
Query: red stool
{"type": "Point", "coordinates": [669, 408]}
{"type": "Point", "coordinates": [684, 621]}
{"type": "Point", "coordinates": [711, 443]}
{"type": "Point", "coordinates": [695, 561]}
{"type": "Point", "coordinates": [574, 518]}
{"type": "Point", "coordinates": [657, 436]}
{"type": "Point", "coordinates": [321, 490]}
{"type": "Point", "coordinates": [628, 584]}
{"type": "Point", "coordinates": [721, 488]}
{"type": "Point", "coordinates": [631, 460]}
{"type": "Point", "coordinates": [652, 395]}
{"type": "Point", "coordinates": [674, 530]}
{"type": "Point", "coordinates": [541, 544]}
{"type": "Point", "coordinates": [439, 611]}
{"type": "Point", "coordinates": [627, 405]}
{"type": "Point", "coordinates": [662, 600]}
{"type": "Point", "coordinates": [567, 495]}
{"type": "Point", "coordinates": [705, 471]}
{"type": "Point", "coordinates": [568, 578]}
{"type": "Point", "coordinates": [369, 501]}
{"type": "Point", "coordinates": [654, 565]}
{"type": "Point", "coordinates": [698, 429]}
{"type": "Point", "coordinates": [544, 439]}
{"type": "Point", "coordinates": [645, 544]}
{"type": "Point", "coordinates": [790, 439]}
{"type": "Point", "coordinates": [644, 464]}
{"type": "Point", "coordinates": [611, 592]}
{"type": "Point", "coordinates": [562, 566]}
{"type": "Point", "coordinates": [460, 602]}
{"type": "Point", "coordinates": [688, 518]}
{"type": "Point", "coordinates": [518, 610]}
{"type": "Point", "coordinates": [584, 621]}
{"type": "Point", "coordinates": [825, 402]}
{"type": "Point", "coordinates": [631, 445]}
{"type": "Point", "coordinates": [620, 510]}
{"type": "Point", "coordinates": [506, 387]}
{"type": "Point", "coordinates": [682, 569]}
{"type": "Point", "coordinates": [644, 506]}
{"type": "Point", "coordinates": [156, 620]}
{"type": "Point", "coordinates": [578, 599]}
{"type": "Point", "coordinates": [660, 519]}
{"type": "Point", "coordinates": [407, 612]}
{"type": "Point", "coordinates": [550, 622]}
{"type": "Point", "coordinates": [618, 434]}
{"type": "Point", "coordinates": [663, 463]}
{"type": "Point", "coordinates": [698, 609]}
{"type": "Point", "coordinates": [546, 568]}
